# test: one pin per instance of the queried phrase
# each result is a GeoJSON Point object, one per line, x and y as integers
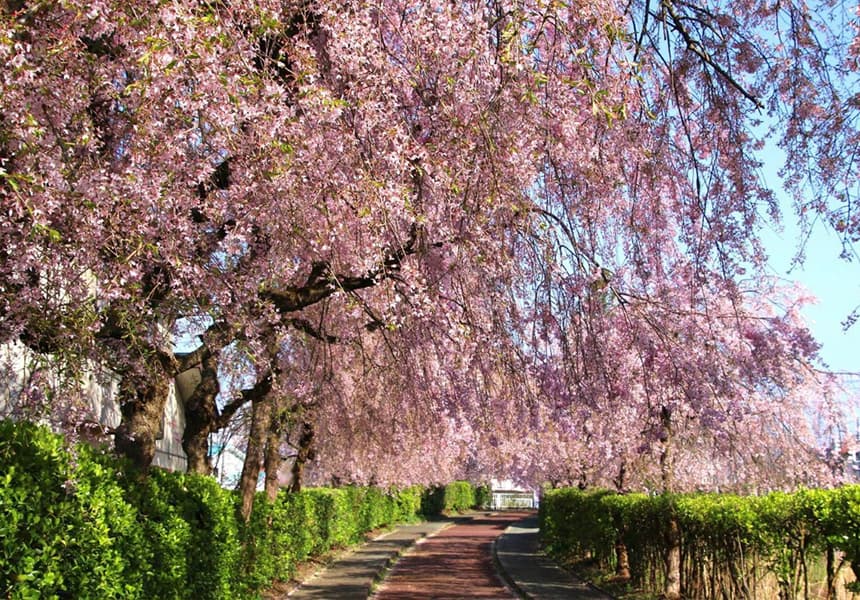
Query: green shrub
{"type": "Point", "coordinates": [728, 541]}
{"type": "Point", "coordinates": [432, 501]}
{"type": "Point", "coordinates": [64, 527]}
{"type": "Point", "coordinates": [168, 535]}
{"type": "Point", "coordinates": [407, 503]}
{"type": "Point", "coordinates": [483, 496]}
{"type": "Point", "coordinates": [455, 497]}
{"type": "Point", "coordinates": [84, 524]}
{"type": "Point", "coordinates": [213, 550]}
{"type": "Point", "coordinates": [114, 533]}
{"type": "Point", "coordinates": [268, 542]}
{"type": "Point", "coordinates": [575, 523]}
{"type": "Point", "coordinates": [840, 519]}
{"type": "Point", "coordinates": [459, 496]}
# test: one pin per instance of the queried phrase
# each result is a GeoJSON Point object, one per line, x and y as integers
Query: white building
{"type": "Point", "coordinates": [98, 388]}
{"type": "Point", "coordinates": [507, 495]}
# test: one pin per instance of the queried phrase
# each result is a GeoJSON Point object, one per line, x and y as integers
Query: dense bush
{"type": "Point", "coordinates": [297, 526]}
{"type": "Point", "coordinates": [78, 523]}
{"type": "Point", "coordinates": [459, 496]}
{"type": "Point", "coordinates": [456, 497]}
{"type": "Point", "coordinates": [483, 496]}
{"type": "Point", "coordinates": [277, 537]}
{"type": "Point", "coordinates": [407, 503]}
{"type": "Point", "coordinates": [731, 546]}
{"type": "Point", "coordinates": [65, 530]}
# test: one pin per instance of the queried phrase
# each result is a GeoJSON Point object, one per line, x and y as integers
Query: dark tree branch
{"type": "Point", "coordinates": [698, 49]}
{"type": "Point", "coordinates": [191, 359]}
{"type": "Point", "coordinates": [258, 392]}
{"type": "Point", "coordinates": [322, 283]}
{"type": "Point", "coordinates": [305, 326]}
{"type": "Point", "coordinates": [217, 335]}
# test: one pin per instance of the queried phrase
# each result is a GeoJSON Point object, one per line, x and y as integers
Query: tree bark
{"type": "Point", "coordinates": [622, 560]}
{"type": "Point", "coordinates": [672, 589]}
{"type": "Point", "coordinates": [201, 414]}
{"type": "Point", "coordinates": [305, 454]}
{"type": "Point", "coordinates": [672, 559]}
{"type": "Point", "coordinates": [261, 414]}
{"type": "Point", "coordinates": [273, 459]}
{"type": "Point", "coordinates": [142, 400]}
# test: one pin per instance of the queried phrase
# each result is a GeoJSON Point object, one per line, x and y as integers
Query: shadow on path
{"type": "Point", "coordinates": [352, 576]}
{"type": "Point", "coordinates": [457, 563]}
{"type": "Point", "coordinates": [532, 573]}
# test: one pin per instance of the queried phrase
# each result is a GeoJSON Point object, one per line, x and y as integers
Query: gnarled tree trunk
{"type": "Point", "coordinates": [201, 414]}
{"type": "Point", "coordinates": [305, 454]}
{"type": "Point", "coordinates": [261, 414]}
{"type": "Point", "coordinates": [273, 459]}
{"type": "Point", "coordinates": [672, 590]}
{"type": "Point", "coordinates": [142, 401]}
{"type": "Point", "coordinates": [622, 558]}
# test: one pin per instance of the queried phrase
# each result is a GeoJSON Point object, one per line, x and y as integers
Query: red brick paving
{"type": "Point", "coordinates": [456, 563]}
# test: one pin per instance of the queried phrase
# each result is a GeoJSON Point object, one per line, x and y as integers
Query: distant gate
{"type": "Point", "coordinates": [512, 499]}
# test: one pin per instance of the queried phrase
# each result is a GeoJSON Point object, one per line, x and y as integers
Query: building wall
{"type": "Point", "coordinates": [168, 448]}
{"type": "Point", "coordinates": [97, 401]}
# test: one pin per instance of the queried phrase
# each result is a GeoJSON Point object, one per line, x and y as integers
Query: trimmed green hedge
{"type": "Point", "coordinates": [64, 528]}
{"type": "Point", "coordinates": [483, 496]}
{"type": "Point", "coordinates": [730, 544]}
{"type": "Point", "coordinates": [81, 524]}
{"type": "Point", "coordinates": [456, 497]}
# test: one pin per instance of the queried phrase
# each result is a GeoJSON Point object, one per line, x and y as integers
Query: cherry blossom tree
{"type": "Point", "coordinates": [547, 211]}
{"type": "Point", "coordinates": [720, 399]}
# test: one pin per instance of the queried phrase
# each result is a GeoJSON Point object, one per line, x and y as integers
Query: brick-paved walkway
{"type": "Point", "coordinates": [352, 576]}
{"type": "Point", "coordinates": [456, 563]}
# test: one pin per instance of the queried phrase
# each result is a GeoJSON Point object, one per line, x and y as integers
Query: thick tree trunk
{"type": "Point", "coordinates": [201, 414]}
{"type": "Point", "coordinates": [273, 452]}
{"type": "Point", "coordinates": [261, 414]}
{"type": "Point", "coordinates": [196, 446]}
{"type": "Point", "coordinates": [672, 589]}
{"type": "Point", "coordinates": [142, 400]}
{"type": "Point", "coordinates": [831, 572]}
{"type": "Point", "coordinates": [855, 568]}
{"type": "Point", "coordinates": [622, 560]}
{"type": "Point", "coordinates": [305, 454]}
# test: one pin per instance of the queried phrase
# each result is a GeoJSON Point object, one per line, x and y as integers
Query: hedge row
{"type": "Point", "coordinates": [454, 497]}
{"type": "Point", "coordinates": [80, 525]}
{"type": "Point", "coordinates": [796, 545]}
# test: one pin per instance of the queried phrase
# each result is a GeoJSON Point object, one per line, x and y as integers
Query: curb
{"type": "Point", "coordinates": [503, 574]}
{"type": "Point", "coordinates": [520, 589]}
{"type": "Point", "coordinates": [370, 579]}
{"type": "Point", "coordinates": [380, 576]}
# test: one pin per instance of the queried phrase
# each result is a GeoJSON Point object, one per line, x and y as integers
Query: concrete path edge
{"type": "Point", "coordinates": [518, 560]}
{"type": "Point", "coordinates": [531, 573]}
{"type": "Point", "coordinates": [353, 575]}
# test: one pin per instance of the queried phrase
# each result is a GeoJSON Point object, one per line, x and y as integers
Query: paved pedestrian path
{"type": "Point", "coordinates": [352, 576]}
{"type": "Point", "coordinates": [456, 563]}
{"type": "Point", "coordinates": [481, 555]}
{"type": "Point", "coordinates": [532, 573]}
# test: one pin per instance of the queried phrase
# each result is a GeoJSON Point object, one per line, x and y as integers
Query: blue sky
{"type": "Point", "coordinates": [834, 281]}
{"type": "Point", "coordinates": [831, 279]}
